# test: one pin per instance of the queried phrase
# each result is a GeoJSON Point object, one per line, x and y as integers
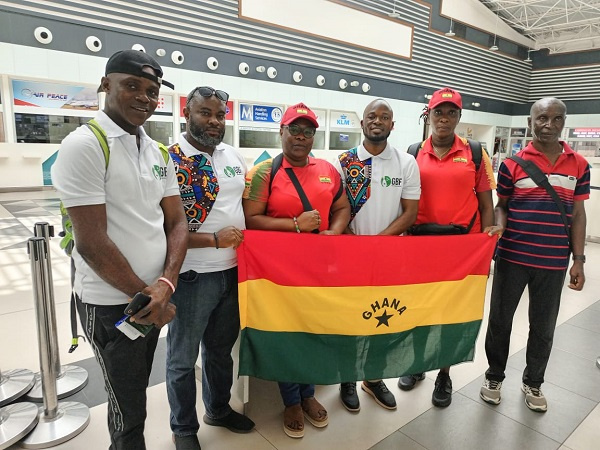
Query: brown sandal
{"type": "Point", "coordinates": [314, 412]}
{"type": "Point", "coordinates": [293, 421]}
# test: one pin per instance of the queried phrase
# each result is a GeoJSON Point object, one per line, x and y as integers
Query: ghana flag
{"type": "Point", "coordinates": [328, 309]}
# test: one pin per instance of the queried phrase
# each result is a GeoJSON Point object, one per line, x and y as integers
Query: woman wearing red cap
{"type": "Point", "coordinates": [272, 202]}
{"type": "Point", "coordinates": [456, 192]}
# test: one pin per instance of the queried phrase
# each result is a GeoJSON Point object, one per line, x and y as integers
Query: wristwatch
{"type": "Point", "coordinates": [579, 258]}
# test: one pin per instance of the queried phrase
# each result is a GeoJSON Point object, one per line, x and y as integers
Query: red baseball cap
{"type": "Point", "coordinates": [299, 111]}
{"type": "Point", "coordinates": [445, 95]}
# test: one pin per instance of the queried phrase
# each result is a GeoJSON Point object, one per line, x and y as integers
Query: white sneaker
{"type": "Point", "coordinates": [534, 399]}
{"type": "Point", "coordinates": [490, 391]}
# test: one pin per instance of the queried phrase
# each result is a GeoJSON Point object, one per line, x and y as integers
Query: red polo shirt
{"type": "Point", "coordinates": [319, 179]}
{"type": "Point", "coordinates": [449, 185]}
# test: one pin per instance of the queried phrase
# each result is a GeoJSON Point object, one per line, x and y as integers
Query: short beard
{"type": "Point", "coordinates": [200, 136]}
{"type": "Point", "coordinates": [378, 137]}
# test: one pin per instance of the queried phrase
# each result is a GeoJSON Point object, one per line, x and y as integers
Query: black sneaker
{"type": "Point", "coordinates": [349, 397]}
{"type": "Point", "coordinates": [189, 442]}
{"type": "Point", "coordinates": [408, 382]}
{"type": "Point", "coordinates": [380, 393]}
{"type": "Point", "coordinates": [234, 421]}
{"type": "Point", "coordinates": [442, 394]}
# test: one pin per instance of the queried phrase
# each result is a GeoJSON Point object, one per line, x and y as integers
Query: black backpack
{"type": "Point", "coordinates": [475, 147]}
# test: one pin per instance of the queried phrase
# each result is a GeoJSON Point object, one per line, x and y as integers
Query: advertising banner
{"type": "Point", "coordinates": [54, 95]}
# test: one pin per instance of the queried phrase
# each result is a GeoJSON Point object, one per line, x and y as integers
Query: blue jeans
{"type": "Point", "coordinates": [545, 288]}
{"type": "Point", "coordinates": [293, 393]}
{"type": "Point", "coordinates": [207, 313]}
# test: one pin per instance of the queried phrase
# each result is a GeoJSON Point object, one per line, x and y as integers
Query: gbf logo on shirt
{"type": "Point", "coordinates": [232, 171]}
{"type": "Point", "coordinates": [391, 181]}
{"type": "Point", "coordinates": [159, 172]}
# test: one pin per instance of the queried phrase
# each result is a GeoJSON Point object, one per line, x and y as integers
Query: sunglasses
{"type": "Point", "coordinates": [295, 130]}
{"type": "Point", "coordinates": [207, 91]}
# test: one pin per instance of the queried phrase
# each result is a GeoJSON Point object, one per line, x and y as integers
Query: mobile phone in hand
{"type": "Point", "coordinates": [136, 304]}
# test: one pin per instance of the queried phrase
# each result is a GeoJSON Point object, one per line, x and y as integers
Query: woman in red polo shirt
{"type": "Point", "coordinates": [453, 191]}
{"type": "Point", "coordinates": [275, 205]}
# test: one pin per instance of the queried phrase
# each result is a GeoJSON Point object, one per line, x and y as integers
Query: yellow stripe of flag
{"type": "Point", "coordinates": [380, 310]}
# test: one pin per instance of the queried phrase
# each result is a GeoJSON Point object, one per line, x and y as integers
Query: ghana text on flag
{"type": "Point", "coordinates": [328, 309]}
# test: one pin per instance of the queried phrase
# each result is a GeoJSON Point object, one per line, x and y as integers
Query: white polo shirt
{"type": "Point", "coordinates": [230, 169]}
{"type": "Point", "coordinates": [132, 188]}
{"type": "Point", "coordinates": [394, 176]}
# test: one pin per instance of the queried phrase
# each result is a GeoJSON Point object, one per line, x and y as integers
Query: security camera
{"type": "Point", "coordinates": [177, 57]}
{"type": "Point", "coordinates": [212, 63]}
{"type": "Point", "coordinates": [138, 47]}
{"type": "Point", "coordinates": [161, 52]}
{"type": "Point", "coordinates": [93, 44]}
{"type": "Point", "coordinates": [320, 80]}
{"type": "Point", "coordinates": [366, 87]}
{"type": "Point", "coordinates": [260, 69]}
{"type": "Point", "coordinates": [297, 76]}
{"type": "Point", "coordinates": [43, 35]}
{"type": "Point", "coordinates": [244, 68]}
{"type": "Point", "coordinates": [271, 72]}
{"type": "Point", "coordinates": [343, 84]}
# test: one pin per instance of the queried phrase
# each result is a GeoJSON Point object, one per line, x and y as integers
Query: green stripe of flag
{"type": "Point", "coordinates": [330, 359]}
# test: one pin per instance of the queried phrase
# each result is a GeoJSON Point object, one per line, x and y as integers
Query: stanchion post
{"type": "Point", "coordinates": [58, 422]}
{"type": "Point", "coordinates": [70, 379]}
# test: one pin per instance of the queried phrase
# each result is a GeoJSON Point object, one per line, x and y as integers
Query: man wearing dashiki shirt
{"type": "Point", "coordinates": [383, 186]}
{"type": "Point", "coordinates": [211, 182]}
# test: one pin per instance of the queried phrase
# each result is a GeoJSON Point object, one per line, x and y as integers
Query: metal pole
{"type": "Point", "coordinates": [42, 229]}
{"type": "Point", "coordinates": [70, 379]}
{"type": "Point", "coordinates": [58, 422]}
{"type": "Point", "coordinates": [38, 255]}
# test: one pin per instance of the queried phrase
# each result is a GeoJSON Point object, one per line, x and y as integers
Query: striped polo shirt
{"type": "Point", "coordinates": [535, 235]}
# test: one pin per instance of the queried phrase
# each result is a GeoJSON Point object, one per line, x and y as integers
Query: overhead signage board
{"type": "Point", "coordinates": [228, 111]}
{"type": "Point", "coordinates": [53, 95]}
{"type": "Point", "coordinates": [260, 114]}
{"type": "Point", "coordinates": [344, 119]}
{"type": "Point", "coordinates": [584, 132]}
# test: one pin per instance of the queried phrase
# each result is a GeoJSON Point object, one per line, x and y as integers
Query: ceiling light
{"type": "Point", "coordinates": [476, 104]}
{"type": "Point", "coordinates": [366, 87]}
{"type": "Point", "coordinates": [494, 47]}
{"type": "Point", "coordinates": [450, 33]}
{"type": "Point", "coordinates": [161, 52]}
{"type": "Point", "coordinates": [354, 83]}
{"type": "Point", "coordinates": [394, 14]}
{"type": "Point", "coordinates": [261, 69]}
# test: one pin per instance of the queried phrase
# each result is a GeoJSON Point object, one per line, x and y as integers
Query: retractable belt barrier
{"type": "Point", "coordinates": [57, 422]}
{"type": "Point", "coordinates": [69, 379]}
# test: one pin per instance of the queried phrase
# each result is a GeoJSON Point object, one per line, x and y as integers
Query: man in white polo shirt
{"type": "Point", "coordinates": [383, 186]}
{"type": "Point", "coordinates": [130, 234]}
{"type": "Point", "coordinates": [211, 181]}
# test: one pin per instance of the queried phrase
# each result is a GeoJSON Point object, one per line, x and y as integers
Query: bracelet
{"type": "Point", "coordinates": [216, 240]}
{"type": "Point", "coordinates": [296, 224]}
{"type": "Point", "coordinates": [579, 258]}
{"type": "Point", "coordinates": [168, 282]}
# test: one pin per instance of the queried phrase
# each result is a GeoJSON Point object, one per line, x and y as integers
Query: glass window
{"type": "Point", "coordinates": [260, 139]}
{"type": "Point", "coordinates": [160, 131]}
{"type": "Point", "coordinates": [45, 129]}
{"type": "Point", "coordinates": [343, 140]}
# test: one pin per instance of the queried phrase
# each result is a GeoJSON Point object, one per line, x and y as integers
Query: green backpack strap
{"type": "Point", "coordinates": [101, 136]}
{"type": "Point", "coordinates": [164, 150]}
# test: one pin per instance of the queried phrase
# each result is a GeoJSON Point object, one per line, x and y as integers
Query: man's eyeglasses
{"type": "Point", "coordinates": [295, 130]}
{"type": "Point", "coordinates": [207, 91]}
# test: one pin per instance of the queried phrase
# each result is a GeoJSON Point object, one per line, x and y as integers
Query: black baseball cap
{"type": "Point", "coordinates": [133, 62]}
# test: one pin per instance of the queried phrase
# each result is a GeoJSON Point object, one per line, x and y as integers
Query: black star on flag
{"type": "Point", "coordinates": [383, 319]}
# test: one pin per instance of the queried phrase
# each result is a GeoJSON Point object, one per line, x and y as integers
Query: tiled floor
{"type": "Point", "coordinates": [572, 379]}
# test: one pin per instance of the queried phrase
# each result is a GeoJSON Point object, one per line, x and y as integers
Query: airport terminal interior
{"type": "Point", "coordinates": [335, 56]}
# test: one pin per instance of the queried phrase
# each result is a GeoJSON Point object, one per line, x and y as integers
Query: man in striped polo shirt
{"type": "Point", "coordinates": [534, 249]}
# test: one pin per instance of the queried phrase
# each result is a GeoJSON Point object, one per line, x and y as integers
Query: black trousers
{"type": "Point", "coordinates": [126, 367]}
{"type": "Point", "coordinates": [545, 288]}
